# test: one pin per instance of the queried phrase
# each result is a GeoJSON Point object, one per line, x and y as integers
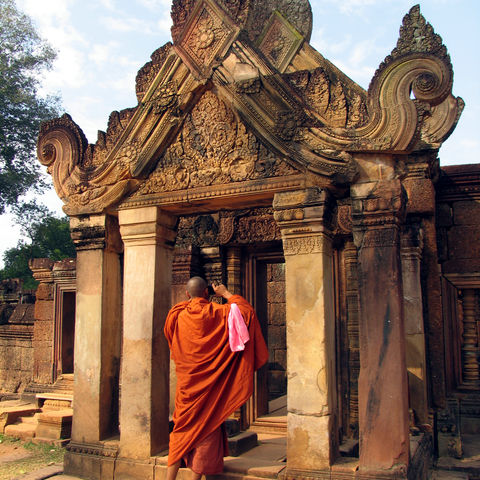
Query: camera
{"type": "Point", "coordinates": [211, 291]}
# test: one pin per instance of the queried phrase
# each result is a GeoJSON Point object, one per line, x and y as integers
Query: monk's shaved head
{"type": "Point", "coordinates": [196, 287]}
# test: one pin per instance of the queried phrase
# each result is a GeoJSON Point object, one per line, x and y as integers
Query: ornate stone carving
{"type": "Point", "coordinates": [84, 187]}
{"type": "Point", "coordinates": [206, 36]}
{"type": "Point", "coordinates": [213, 148]}
{"type": "Point", "coordinates": [279, 41]}
{"type": "Point", "coordinates": [165, 97]}
{"type": "Point", "coordinates": [344, 219]}
{"type": "Point", "coordinates": [297, 12]}
{"type": "Point", "coordinates": [181, 10]}
{"type": "Point", "coordinates": [249, 15]}
{"type": "Point", "coordinates": [148, 72]}
{"type": "Point", "coordinates": [419, 64]}
{"type": "Point", "coordinates": [303, 245]}
{"type": "Point", "coordinates": [248, 226]}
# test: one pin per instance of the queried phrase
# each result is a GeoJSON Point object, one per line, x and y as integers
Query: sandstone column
{"type": "Point", "coordinates": [411, 243]}
{"type": "Point", "coordinates": [377, 211]}
{"type": "Point", "coordinates": [97, 327]}
{"type": "Point", "coordinates": [312, 424]}
{"type": "Point", "coordinates": [148, 237]}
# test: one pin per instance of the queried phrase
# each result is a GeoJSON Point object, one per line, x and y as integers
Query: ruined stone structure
{"type": "Point", "coordinates": [252, 160]}
{"type": "Point", "coordinates": [16, 333]}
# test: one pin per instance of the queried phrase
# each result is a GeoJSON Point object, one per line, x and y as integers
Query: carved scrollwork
{"type": "Point", "coordinates": [419, 64]}
{"type": "Point", "coordinates": [62, 148]}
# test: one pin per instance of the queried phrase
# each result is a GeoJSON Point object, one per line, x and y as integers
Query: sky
{"type": "Point", "coordinates": [101, 44]}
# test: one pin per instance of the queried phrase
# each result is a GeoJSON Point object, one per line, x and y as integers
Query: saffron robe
{"type": "Point", "coordinates": [212, 381]}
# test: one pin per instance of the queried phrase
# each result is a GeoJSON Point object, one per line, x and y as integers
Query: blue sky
{"type": "Point", "coordinates": [101, 45]}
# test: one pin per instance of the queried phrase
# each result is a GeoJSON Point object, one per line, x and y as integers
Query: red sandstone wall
{"type": "Point", "coordinates": [16, 352]}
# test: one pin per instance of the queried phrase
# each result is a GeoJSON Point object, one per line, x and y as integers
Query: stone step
{"type": "Point", "coordinates": [55, 425]}
{"type": "Point", "coordinates": [24, 431]}
{"type": "Point", "coordinates": [349, 448]}
{"type": "Point", "coordinates": [448, 475]}
{"type": "Point", "coordinates": [241, 443]}
{"type": "Point", "coordinates": [9, 414]}
{"type": "Point", "coordinates": [31, 420]}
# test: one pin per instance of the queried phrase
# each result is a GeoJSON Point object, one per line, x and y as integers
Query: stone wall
{"type": "Point", "coordinates": [458, 219]}
{"type": "Point", "coordinates": [458, 233]}
{"type": "Point", "coordinates": [16, 353]}
{"type": "Point", "coordinates": [277, 347]}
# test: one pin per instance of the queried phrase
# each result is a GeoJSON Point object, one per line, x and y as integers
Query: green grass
{"type": "Point", "coordinates": [36, 457]}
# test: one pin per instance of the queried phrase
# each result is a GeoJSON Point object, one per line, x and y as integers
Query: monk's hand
{"type": "Point", "coordinates": [221, 290]}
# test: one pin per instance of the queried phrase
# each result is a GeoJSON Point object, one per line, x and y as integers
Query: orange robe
{"type": "Point", "coordinates": [212, 381]}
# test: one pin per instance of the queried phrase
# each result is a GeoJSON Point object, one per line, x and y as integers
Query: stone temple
{"type": "Point", "coordinates": [252, 160]}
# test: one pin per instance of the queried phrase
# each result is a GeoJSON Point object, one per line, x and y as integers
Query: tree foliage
{"type": "Point", "coordinates": [48, 237]}
{"type": "Point", "coordinates": [23, 57]}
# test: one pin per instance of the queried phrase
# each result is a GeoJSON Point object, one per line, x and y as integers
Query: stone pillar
{"type": "Point", "coordinates": [234, 270]}
{"type": "Point", "coordinates": [97, 329]}
{"type": "Point", "coordinates": [350, 254]}
{"type": "Point", "coordinates": [470, 350]}
{"type": "Point", "coordinates": [312, 442]}
{"type": "Point", "coordinates": [148, 237]}
{"type": "Point", "coordinates": [421, 205]}
{"type": "Point", "coordinates": [411, 244]}
{"type": "Point", "coordinates": [377, 210]}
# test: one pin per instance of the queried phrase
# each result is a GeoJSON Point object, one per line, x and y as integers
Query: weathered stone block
{"type": "Point", "coordinates": [93, 467]}
{"type": "Point", "coordinates": [309, 442]}
{"type": "Point", "coordinates": [43, 331]}
{"type": "Point", "coordinates": [464, 241]}
{"type": "Point", "coordinates": [277, 337]}
{"type": "Point", "coordinates": [276, 292]}
{"type": "Point", "coordinates": [281, 358]}
{"type": "Point", "coordinates": [126, 469]}
{"type": "Point", "coordinates": [44, 310]}
{"type": "Point", "coordinates": [444, 215]}
{"type": "Point", "coordinates": [466, 213]}
{"type": "Point", "coordinates": [276, 313]}
{"type": "Point", "coordinates": [44, 292]}
{"type": "Point", "coordinates": [421, 195]}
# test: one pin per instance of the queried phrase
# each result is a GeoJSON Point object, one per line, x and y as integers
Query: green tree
{"type": "Point", "coordinates": [48, 237]}
{"type": "Point", "coordinates": [23, 57]}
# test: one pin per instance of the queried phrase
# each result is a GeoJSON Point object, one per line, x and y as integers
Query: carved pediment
{"type": "Point", "coordinates": [242, 102]}
{"type": "Point", "coordinates": [214, 147]}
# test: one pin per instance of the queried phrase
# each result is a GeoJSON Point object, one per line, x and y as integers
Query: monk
{"type": "Point", "coordinates": [212, 380]}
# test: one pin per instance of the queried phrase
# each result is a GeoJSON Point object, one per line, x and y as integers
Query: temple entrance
{"type": "Point", "coordinates": [265, 289]}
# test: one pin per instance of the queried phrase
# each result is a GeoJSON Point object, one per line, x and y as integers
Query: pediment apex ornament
{"type": "Point", "coordinates": [206, 37]}
{"type": "Point", "coordinates": [249, 15]}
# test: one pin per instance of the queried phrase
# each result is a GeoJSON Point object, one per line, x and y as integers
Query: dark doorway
{"type": "Point", "coordinates": [265, 289]}
{"type": "Point", "coordinates": [68, 332]}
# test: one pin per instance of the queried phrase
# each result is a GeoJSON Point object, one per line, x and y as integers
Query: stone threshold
{"type": "Point", "coordinates": [263, 462]}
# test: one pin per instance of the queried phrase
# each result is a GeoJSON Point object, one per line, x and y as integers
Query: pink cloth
{"type": "Point", "coordinates": [237, 330]}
